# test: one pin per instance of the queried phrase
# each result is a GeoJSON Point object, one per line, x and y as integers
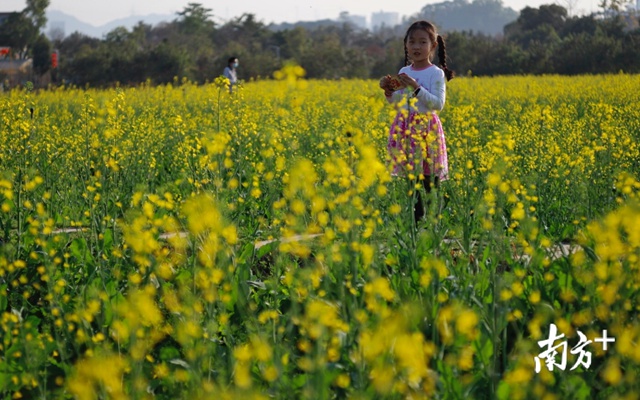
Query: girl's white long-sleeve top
{"type": "Point", "coordinates": [432, 92]}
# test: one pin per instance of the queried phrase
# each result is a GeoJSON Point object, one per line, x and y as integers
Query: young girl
{"type": "Point", "coordinates": [416, 141]}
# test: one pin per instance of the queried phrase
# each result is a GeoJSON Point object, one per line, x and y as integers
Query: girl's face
{"type": "Point", "coordinates": [420, 47]}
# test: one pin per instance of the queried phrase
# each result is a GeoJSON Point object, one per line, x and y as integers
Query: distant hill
{"type": "Point", "coordinates": [70, 24]}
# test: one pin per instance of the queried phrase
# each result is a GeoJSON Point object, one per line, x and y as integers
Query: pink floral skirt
{"type": "Point", "coordinates": [416, 145]}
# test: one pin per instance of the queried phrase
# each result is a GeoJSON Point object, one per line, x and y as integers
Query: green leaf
{"type": "Point", "coordinates": [415, 276]}
{"type": "Point", "coordinates": [11, 351]}
{"type": "Point", "coordinates": [80, 250]}
{"type": "Point", "coordinates": [107, 240]}
{"type": "Point", "coordinates": [503, 391]}
{"type": "Point", "coordinates": [77, 246]}
{"type": "Point", "coordinates": [247, 253]}
{"type": "Point", "coordinates": [487, 351]}
{"type": "Point", "coordinates": [32, 322]}
{"type": "Point", "coordinates": [3, 298]}
{"type": "Point", "coordinates": [300, 380]}
{"type": "Point", "coordinates": [184, 277]}
{"type": "Point", "coordinates": [111, 288]}
{"type": "Point", "coordinates": [577, 387]}
{"type": "Point", "coordinates": [169, 353]}
{"type": "Point", "coordinates": [485, 255]}
{"type": "Point", "coordinates": [108, 314]}
{"type": "Point", "coordinates": [266, 249]}
{"type": "Point", "coordinates": [488, 298]}
{"type": "Point", "coordinates": [5, 382]}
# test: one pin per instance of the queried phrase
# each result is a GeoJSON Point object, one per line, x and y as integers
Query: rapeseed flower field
{"type": "Point", "coordinates": [179, 241]}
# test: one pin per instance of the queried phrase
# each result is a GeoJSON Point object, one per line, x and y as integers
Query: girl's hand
{"type": "Point", "coordinates": [409, 81]}
{"type": "Point", "coordinates": [384, 82]}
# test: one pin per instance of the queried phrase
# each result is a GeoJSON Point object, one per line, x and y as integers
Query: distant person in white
{"type": "Point", "coordinates": [230, 72]}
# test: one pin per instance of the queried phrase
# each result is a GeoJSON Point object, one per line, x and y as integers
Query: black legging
{"type": "Point", "coordinates": [418, 207]}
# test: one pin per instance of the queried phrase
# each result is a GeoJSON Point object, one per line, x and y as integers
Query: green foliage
{"type": "Point", "coordinates": [544, 40]}
{"type": "Point", "coordinates": [17, 33]}
{"type": "Point", "coordinates": [21, 30]}
{"type": "Point", "coordinates": [195, 18]}
{"type": "Point", "coordinates": [613, 5]}
{"type": "Point", "coordinates": [35, 13]}
{"type": "Point", "coordinates": [42, 55]}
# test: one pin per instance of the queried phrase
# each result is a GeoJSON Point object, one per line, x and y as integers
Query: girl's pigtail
{"type": "Point", "coordinates": [442, 55]}
{"type": "Point", "coordinates": [406, 55]}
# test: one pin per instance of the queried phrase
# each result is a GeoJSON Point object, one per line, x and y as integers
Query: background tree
{"type": "Point", "coordinates": [613, 5]}
{"type": "Point", "coordinates": [537, 25]}
{"type": "Point", "coordinates": [17, 33]}
{"type": "Point", "coordinates": [195, 19]}
{"type": "Point", "coordinates": [195, 29]}
{"type": "Point", "coordinates": [21, 30]}
{"type": "Point", "coordinates": [159, 65]}
{"type": "Point", "coordinates": [35, 13]}
{"type": "Point", "coordinates": [538, 41]}
{"type": "Point", "coordinates": [41, 55]}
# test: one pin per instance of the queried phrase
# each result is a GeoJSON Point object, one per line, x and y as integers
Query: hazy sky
{"type": "Point", "coordinates": [99, 12]}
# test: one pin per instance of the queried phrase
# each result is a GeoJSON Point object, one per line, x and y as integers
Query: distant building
{"type": "Point", "coordinates": [4, 16]}
{"type": "Point", "coordinates": [15, 72]}
{"type": "Point", "coordinates": [358, 20]}
{"type": "Point", "coordinates": [384, 19]}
